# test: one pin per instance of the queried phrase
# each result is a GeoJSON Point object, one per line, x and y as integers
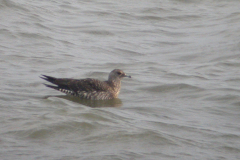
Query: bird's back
{"type": "Point", "coordinates": [84, 88]}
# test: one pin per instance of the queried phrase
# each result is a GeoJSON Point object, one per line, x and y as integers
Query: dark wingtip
{"type": "Point", "coordinates": [48, 78]}
{"type": "Point", "coordinates": [50, 86]}
{"type": "Point", "coordinates": [43, 77]}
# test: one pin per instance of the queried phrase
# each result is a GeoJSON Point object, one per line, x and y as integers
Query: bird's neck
{"type": "Point", "coordinates": [116, 85]}
{"type": "Point", "coordinates": [115, 82]}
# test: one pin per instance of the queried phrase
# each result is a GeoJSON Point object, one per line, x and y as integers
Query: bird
{"type": "Point", "coordinates": [89, 88]}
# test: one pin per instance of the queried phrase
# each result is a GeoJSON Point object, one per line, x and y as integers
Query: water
{"type": "Point", "coordinates": [183, 101]}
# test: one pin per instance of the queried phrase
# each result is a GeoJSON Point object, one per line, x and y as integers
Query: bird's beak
{"type": "Point", "coordinates": [127, 76]}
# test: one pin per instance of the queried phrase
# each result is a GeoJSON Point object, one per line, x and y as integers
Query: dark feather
{"type": "Point", "coordinates": [49, 78]}
{"type": "Point", "coordinates": [50, 86]}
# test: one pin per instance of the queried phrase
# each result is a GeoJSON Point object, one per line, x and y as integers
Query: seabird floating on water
{"type": "Point", "coordinates": [89, 88]}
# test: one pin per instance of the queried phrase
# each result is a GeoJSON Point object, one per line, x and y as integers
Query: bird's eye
{"type": "Point", "coordinates": [119, 73]}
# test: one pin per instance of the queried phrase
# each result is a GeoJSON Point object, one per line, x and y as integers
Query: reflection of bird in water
{"type": "Point", "coordinates": [89, 88]}
{"type": "Point", "coordinates": [95, 104]}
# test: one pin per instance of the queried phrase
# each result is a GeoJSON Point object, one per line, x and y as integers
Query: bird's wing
{"type": "Point", "coordinates": [77, 85]}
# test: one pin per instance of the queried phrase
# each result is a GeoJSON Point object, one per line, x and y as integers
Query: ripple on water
{"type": "Point", "coordinates": [53, 130]}
{"type": "Point", "coordinates": [171, 88]}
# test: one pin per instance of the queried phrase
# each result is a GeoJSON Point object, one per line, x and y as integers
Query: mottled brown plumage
{"type": "Point", "coordinates": [89, 88]}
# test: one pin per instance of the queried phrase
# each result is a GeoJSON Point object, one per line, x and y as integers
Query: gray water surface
{"type": "Point", "coordinates": [183, 101]}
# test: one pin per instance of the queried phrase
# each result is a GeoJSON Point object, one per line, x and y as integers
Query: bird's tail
{"type": "Point", "coordinates": [50, 86]}
{"type": "Point", "coordinates": [60, 82]}
{"type": "Point", "coordinates": [49, 79]}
